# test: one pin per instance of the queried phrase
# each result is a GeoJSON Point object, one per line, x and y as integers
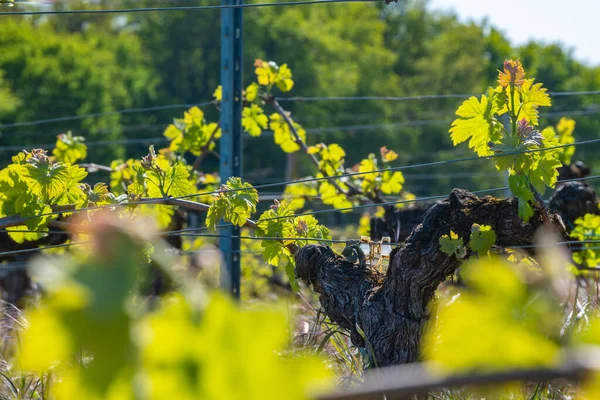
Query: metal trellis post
{"type": "Point", "coordinates": [231, 137]}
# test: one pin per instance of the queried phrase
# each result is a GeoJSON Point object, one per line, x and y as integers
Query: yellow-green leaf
{"type": "Point", "coordinates": [533, 96]}
{"type": "Point", "coordinates": [474, 123]}
{"type": "Point", "coordinates": [254, 120]}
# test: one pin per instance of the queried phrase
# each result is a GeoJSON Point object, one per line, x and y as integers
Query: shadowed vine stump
{"type": "Point", "coordinates": [392, 309]}
{"type": "Point", "coordinates": [573, 200]}
{"type": "Point", "coordinates": [397, 223]}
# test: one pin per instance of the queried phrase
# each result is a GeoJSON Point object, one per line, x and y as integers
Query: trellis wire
{"type": "Point", "coordinates": [182, 8]}
{"type": "Point", "coordinates": [401, 168]}
{"type": "Point", "coordinates": [411, 166]}
{"type": "Point", "coordinates": [312, 131]}
{"type": "Point", "coordinates": [102, 114]}
{"type": "Point", "coordinates": [305, 239]}
{"type": "Point", "coordinates": [416, 97]}
{"type": "Point", "coordinates": [98, 143]}
{"type": "Point", "coordinates": [280, 99]}
{"type": "Point", "coordinates": [54, 246]}
{"type": "Point", "coordinates": [407, 201]}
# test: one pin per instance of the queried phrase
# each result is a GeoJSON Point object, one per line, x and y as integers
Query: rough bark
{"type": "Point", "coordinates": [574, 170]}
{"type": "Point", "coordinates": [392, 309]}
{"type": "Point", "coordinates": [398, 223]}
{"type": "Point", "coordinates": [573, 200]}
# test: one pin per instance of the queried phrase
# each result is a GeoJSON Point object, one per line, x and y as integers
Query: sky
{"type": "Point", "coordinates": [575, 23]}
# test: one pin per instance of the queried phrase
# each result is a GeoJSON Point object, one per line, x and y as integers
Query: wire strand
{"type": "Point", "coordinates": [273, 238]}
{"type": "Point", "coordinates": [416, 97]}
{"type": "Point", "coordinates": [407, 201]}
{"type": "Point", "coordinates": [99, 143]}
{"type": "Point", "coordinates": [55, 246]}
{"type": "Point", "coordinates": [280, 99]}
{"type": "Point", "coordinates": [312, 131]}
{"type": "Point", "coordinates": [103, 114]}
{"type": "Point", "coordinates": [182, 8]}
{"type": "Point", "coordinates": [351, 174]}
{"type": "Point", "coordinates": [401, 168]}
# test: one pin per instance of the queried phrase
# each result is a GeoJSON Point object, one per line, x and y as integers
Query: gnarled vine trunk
{"type": "Point", "coordinates": [392, 309]}
{"type": "Point", "coordinates": [573, 200]}
{"type": "Point", "coordinates": [397, 223]}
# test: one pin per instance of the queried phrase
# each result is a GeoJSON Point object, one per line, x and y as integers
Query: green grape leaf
{"type": "Point", "coordinates": [587, 228]}
{"type": "Point", "coordinates": [137, 187]}
{"type": "Point", "coordinates": [273, 252]}
{"type": "Point", "coordinates": [565, 129]}
{"type": "Point", "coordinates": [298, 193]}
{"type": "Point", "coordinates": [218, 93]}
{"type": "Point", "coordinates": [283, 135]}
{"type": "Point", "coordinates": [453, 245]}
{"type": "Point", "coordinates": [475, 123]}
{"type": "Point", "coordinates": [525, 210]}
{"type": "Point", "coordinates": [275, 222]}
{"type": "Point", "coordinates": [544, 172]}
{"type": "Point", "coordinates": [98, 195]}
{"type": "Point", "coordinates": [44, 177]}
{"type": "Point", "coordinates": [193, 116]}
{"type": "Point", "coordinates": [32, 208]}
{"type": "Point", "coordinates": [333, 153]}
{"type": "Point", "coordinates": [284, 79]}
{"type": "Point", "coordinates": [515, 159]}
{"type": "Point", "coordinates": [482, 238]}
{"type": "Point", "coordinates": [531, 96]}
{"type": "Point", "coordinates": [69, 148]}
{"type": "Point", "coordinates": [329, 195]}
{"type": "Point", "coordinates": [316, 149]}
{"type": "Point", "coordinates": [73, 194]}
{"type": "Point", "coordinates": [392, 182]}
{"type": "Point", "coordinates": [252, 92]}
{"type": "Point", "coordinates": [307, 226]}
{"type": "Point", "coordinates": [519, 185]}
{"type": "Point", "coordinates": [173, 133]}
{"type": "Point", "coordinates": [332, 158]}
{"type": "Point", "coordinates": [544, 168]}
{"type": "Point", "coordinates": [369, 181]}
{"type": "Point", "coordinates": [192, 134]}
{"type": "Point", "coordinates": [280, 221]}
{"type": "Point", "coordinates": [177, 181]}
{"type": "Point", "coordinates": [234, 206]}
{"type": "Point", "coordinates": [269, 74]}
{"type": "Point", "coordinates": [289, 270]}
{"type": "Point", "coordinates": [121, 174]}
{"type": "Point", "coordinates": [254, 120]}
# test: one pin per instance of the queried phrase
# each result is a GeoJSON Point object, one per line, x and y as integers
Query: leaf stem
{"type": "Point", "coordinates": [92, 167]}
{"type": "Point", "coordinates": [513, 116]}
{"type": "Point", "coordinates": [271, 100]}
{"type": "Point", "coordinates": [353, 190]}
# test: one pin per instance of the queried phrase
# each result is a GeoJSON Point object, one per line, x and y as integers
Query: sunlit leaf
{"type": "Point", "coordinates": [254, 120]}
{"type": "Point", "coordinates": [475, 123]}
{"type": "Point", "coordinates": [69, 148]}
{"type": "Point", "coordinates": [235, 203]}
